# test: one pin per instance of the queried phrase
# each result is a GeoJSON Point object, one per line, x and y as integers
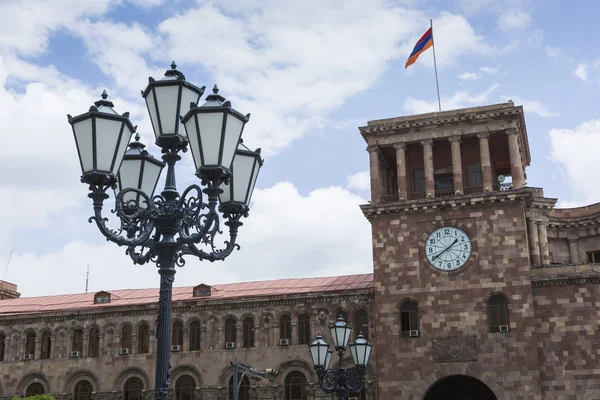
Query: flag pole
{"type": "Point", "coordinates": [435, 67]}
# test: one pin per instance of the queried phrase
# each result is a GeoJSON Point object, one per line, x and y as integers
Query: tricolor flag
{"type": "Point", "coordinates": [423, 44]}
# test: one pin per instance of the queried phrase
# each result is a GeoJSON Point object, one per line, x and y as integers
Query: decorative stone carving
{"type": "Point", "coordinates": [455, 349]}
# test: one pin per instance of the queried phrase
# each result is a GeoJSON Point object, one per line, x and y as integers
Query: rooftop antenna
{"type": "Point", "coordinates": [87, 278]}
{"type": "Point", "coordinates": [6, 270]}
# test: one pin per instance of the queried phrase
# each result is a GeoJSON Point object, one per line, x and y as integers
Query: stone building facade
{"type": "Point", "coordinates": [102, 345]}
{"type": "Point", "coordinates": [481, 289]}
{"type": "Point", "coordinates": [517, 316]}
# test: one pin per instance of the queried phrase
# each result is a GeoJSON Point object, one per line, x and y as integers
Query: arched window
{"type": "Point", "coordinates": [83, 391]}
{"type": "Point", "coordinates": [285, 328]}
{"type": "Point", "coordinates": [77, 340]}
{"type": "Point", "coordinates": [126, 337]}
{"type": "Point", "coordinates": [133, 389]}
{"type": "Point", "coordinates": [184, 388]}
{"type": "Point", "coordinates": [361, 323]}
{"type": "Point", "coordinates": [498, 313]}
{"type": "Point", "coordinates": [177, 334]}
{"type": "Point", "coordinates": [30, 344]}
{"type": "Point", "coordinates": [195, 335]}
{"type": "Point", "coordinates": [303, 329]}
{"type": "Point", "coordinates": [2, 347]}
{"type": "Point", "coordinates": [244, 393]}
{"type": "Point", "coordinates": [143, 339]}
{"type": "Point", "coordinates": [230, 331]}
{"type": "Point", "coordinates": [45, 348]}
{"type": "Point", "coordinates": [409, 319]}
{"type": "Point", "coordinates": [248, 331]}
{"type": "Point", "coordinates": [94, 344]}
{"type": "Point", "coordinates": [295, 382]}
{"type": "Point", "coordinates": [34, 389]}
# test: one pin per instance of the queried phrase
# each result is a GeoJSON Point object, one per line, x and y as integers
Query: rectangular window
{"type": "Point", "coordinates": [594, 256]}
{"type": "Point", "coordinates": [474, 175]}
{"type": "Point", "coordinates": [443, 181]}
{"type": "Point", "coordinates": [419, 184]}
{"type": "Point", "coordinates": [408, 321]}
{"type": "Point", "coordinates": [497, 317]}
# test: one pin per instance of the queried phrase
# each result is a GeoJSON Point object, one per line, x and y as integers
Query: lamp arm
{"type": "Point", "coordinates": [205, 225]}
{"type": "Point", "coordinates": [216, 254]}
{"type": "Point", "coordinates": [355, 378]}
{"type": "Point", "coordinates": [135, 223]}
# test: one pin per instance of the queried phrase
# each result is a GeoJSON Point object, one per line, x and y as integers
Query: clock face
{"type": "Point", "coordinates": [448, 248]}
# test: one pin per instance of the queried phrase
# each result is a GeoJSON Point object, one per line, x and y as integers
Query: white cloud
{"type": "Point", "coordinates": [461, 99]}
{"type": "Point", "coordinates": [581, 71]}
{"type": "Point", "coordinates": [26, 25]}
{"type": "Point", "coordinates": [488, 70]}
{"type": "Point", "coordinates": [575, 150]}
{"type": "Point", "coordinates": [513, 19]}
{"type": "Point", "coordinates": [468, 76]}
{"type": "Point", "coordinates": [359, 181]}
{"type": "Point", "coordinates": [531, 106]}
{"type": "Point", "coordinates": [554, 52]}
{"type": "Point", "coordinates": [146, 3]}
{"type": "Point", "coordinates": [326, 234]}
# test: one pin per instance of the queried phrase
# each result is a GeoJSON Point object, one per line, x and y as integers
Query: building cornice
{"type": "Point", "coordinates": [199, 304]}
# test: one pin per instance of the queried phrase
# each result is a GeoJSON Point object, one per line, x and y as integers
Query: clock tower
{"type": "Point", "coordinates": [453, 296]}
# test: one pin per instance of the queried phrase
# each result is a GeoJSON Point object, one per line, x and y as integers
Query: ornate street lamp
{"type": "Point", "coordinates": [341, 381]}
{"type": "Point", "coordinates": [163, 228]}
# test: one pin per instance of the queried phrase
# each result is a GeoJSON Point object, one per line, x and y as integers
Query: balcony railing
{"type": "Point", "coordinates": [502, 187]}
{"type": "Point", "coordinates": [444, 193]}
{"type": "Point", "coordinates": [473, 189]}
{"type": "Point", "coordinates": [416, 195]}
{"type": "Point", "coordinates": [388, 198]}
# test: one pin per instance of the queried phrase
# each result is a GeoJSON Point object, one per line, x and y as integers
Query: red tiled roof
{"type": "Point", "coordinates": [129, 297]}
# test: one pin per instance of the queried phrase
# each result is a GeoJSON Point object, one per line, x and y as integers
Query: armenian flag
{"type": "Point", "coordinates": [423, 44]}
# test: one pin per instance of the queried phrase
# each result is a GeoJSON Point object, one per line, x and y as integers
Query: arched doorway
{"type": "Point", "coordinates": [459, 387]}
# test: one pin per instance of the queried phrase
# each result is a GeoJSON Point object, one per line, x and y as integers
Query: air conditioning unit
{"type": "Point", "coordinates": [28, 357]}
{"type": "Point", "coordinates": [413, 333]}
{"type": "Point", "coordinates": [176, 347]}
{"type": "Point", "coordinates": [75, 354]}
{"type": "Point", "coordinates": [230, 345]}
{"type": "Point", "coordinates": [504, 328]}
{"type": "Point", "coordinates": [284, 342]}
{"type": "Point", "coordinates": [124, 351]}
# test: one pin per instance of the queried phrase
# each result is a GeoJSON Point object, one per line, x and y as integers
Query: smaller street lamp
{"type": "Point", "coordinates": [341, 381]}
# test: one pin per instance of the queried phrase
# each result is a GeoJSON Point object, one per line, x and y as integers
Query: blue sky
{"type": "Point", "coordinates": [310, 73]}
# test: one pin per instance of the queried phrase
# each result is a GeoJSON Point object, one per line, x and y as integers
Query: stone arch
{"type": "Point", "coordinates": [493, 293]}
{"type": "Point", "coordinates": [42, 331]}
{"type": "Point", "coordinates": [108, 326]}
{"type": "Point", "coordinates": [226, 317]}
{"type": "Point", "coordinates": [296, 365]}
{"type": "Point", "coordinates": [302, 311]}
{"type": "Point", "coordinates": [88, 329]}
{"type": "Point", "coordinates": [28, 379]}
{"type": "Point", "coordinates": [281, 314]}
{"type": "Point", "coordinates": [28, 331]}
{"type": "Point", "coordinates": [339, 310]}
{"type": "Point", "coordinates": [189, 322]}
{"type": "Point", "coordinates": [123, 325]}
{"type": "Point", "coordinates": [59, 329]}
{"type": "Point", "coordinates": [186, 369]}
{"type": "Point", "coordinates": [210, 318]}
{"type": "Point", "coordinates": [246, 315]}
{"type": "Point", "coordinates": [175, 320]}
{"type": "Point", "coordinates": [12, 344]}
{"type": "Point", "coordinates": [462, 369]}
{"type": "Point", "coordinates": [74, 328]}
{"type": "Point", "coordinates": [61, 341]}
{"type": "Point", "coordinates": [224, 376]}
{"type": "Point", "coordinates": [264, 316]}
{"type": "Point", "coordinates": [132, 372]}
{"type": "Point", "coordinates": [80, 376]}
{"type": "Point", "coordinates": [136, 327]}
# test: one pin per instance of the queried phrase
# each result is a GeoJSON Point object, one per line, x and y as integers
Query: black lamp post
{"type": "Point", "coordinates": [163, 228]}
{"type": "Point", "coordinates": [341, 381]}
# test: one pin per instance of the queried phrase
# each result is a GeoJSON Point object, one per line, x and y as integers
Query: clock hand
{"type": "Point", "coordinates": [443, 251]}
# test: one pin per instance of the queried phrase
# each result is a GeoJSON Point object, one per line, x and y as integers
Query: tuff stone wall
{"type": "Point", "coordinates": [454, 304]}
{"type": "Point", "coordinates": [567, 334]}
{"type": "Point", "coordinates": [210, 367]}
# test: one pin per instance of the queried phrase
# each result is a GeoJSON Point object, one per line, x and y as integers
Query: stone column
{"type": "Point", "coordinates": [185, 346]}
{"type": "Point", "coordinates": [37, 352]}
{"type": "Point", "coordinates": [543, 236]}
{"type": "Point", "coordinates": [84, 346]}
{"type": "Point", "coordinates": [294, 338]}
{"type": "Point", "coordinates": [516, 164]}
{"type": "Point", "coordinates": [101, 349]}
{"type": "Point", "coordinates": [457, 171]}
{"type": "Point", "coordinates": [52, 347]}
{"type": "Point", "coordinates": [239, 336]}
{"type": "Point", "coordinates": [220, 338]}
{"type": "Point", "coordinates": [573, 249]}
{"type": "Point", "coordinates": [375, 169]}
{"type": "Point", "coordinates": [486, 165]}
{"type": "Point", "coordinates": [534, 243]}
{"type": "Point", "coordinates": [401, 170]}
{"type": "Point", "coordinates": [203, 337]}
{"type": "Point", "coordinates": [428, 166]}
